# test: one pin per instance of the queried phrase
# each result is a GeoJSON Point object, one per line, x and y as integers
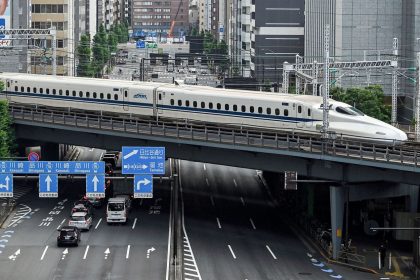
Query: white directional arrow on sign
{"type": "Point", "coordinates": [95, 181]}
{"type": "Point", "coordinates": [107, 252]}
{"type": "Point", "coordinates": [6, 186]}
{"type": "Point", "coordinates": [48, 181]}
{"type": "Point", "coordinates": [144, 166]}
{"type": "Point", "coordinates": [144, 182]}
{"type": "Point", "coordinates": [134, 152]}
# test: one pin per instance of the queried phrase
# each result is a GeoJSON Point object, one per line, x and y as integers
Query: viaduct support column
{"type": "Point", "coordinates": [337, 200]}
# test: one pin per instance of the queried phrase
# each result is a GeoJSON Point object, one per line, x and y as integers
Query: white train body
{"type": "Point", "coordinates": [195, 103]}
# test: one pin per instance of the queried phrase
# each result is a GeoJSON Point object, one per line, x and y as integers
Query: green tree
{"type": "Point", "coordinates": [7, 135]}
{"type": "Point", "coordinates": [369, 100]}
{"type": "Point", "coordinates": [84, 53]}
{"type": "Point", "coordinates": [100, 51]}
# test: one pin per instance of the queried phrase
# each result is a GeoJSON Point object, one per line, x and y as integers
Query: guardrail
{"type": "Point", "coordinates": [231, 135]}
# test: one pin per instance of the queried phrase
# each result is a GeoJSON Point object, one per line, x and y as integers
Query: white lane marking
{"type": "Point", "coordinates": [86, 251]}
{"type": "Point", "coordinates": [2, 245]}
{"type": "Point", "coordinates": [6, 235]}
{"type": "Point", "coordinates": [234, 182]}
{"type": "Point", "coordinates": [190, 264]}
{"type": "Point", "coordinates": [190, 269]}
{"type": "Point", "coordinates": [43, 253]}
{"type": "Point", "coordinates": [134, 224]}
{"type": "Point", "coordinates": [212, 200]}
{"type": "Point", "coordinates": [218, 223]}
{"type": "Point", "coordinates": [204, 167]}
{"type": "Point", "coordinates": [207, 182]}
{"type": "Point", "coordinates": [127, 255]}
{"type": "Point", "coordinates": [21, 217]}
{"type": "Point", "coordinates": [271, 252]}
{"type": "Point", "coordinates": [243, 201]}
{"type": "Point", "coordinates": [91, 149]}
{"type": "Point", "coordinates": [252, 223]}
{"type": "Point", "coordinates": [62, 222]}
{"type": "Point", "coordinates": [190, 274]}
{"type": "Point", "coordinates": [231, 251]}
{"type": "Point", "coordinates": [97, 225]}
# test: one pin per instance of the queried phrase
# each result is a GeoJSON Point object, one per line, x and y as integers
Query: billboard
{"type": "Point", "coordinates": [5, 7]}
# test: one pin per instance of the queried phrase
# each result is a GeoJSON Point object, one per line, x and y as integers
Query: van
{"type": "Point", "coordinates": [117, 210]}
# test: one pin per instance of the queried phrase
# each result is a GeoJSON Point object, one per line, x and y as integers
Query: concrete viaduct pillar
{"type": "Point", "coordinates": [337, 200]}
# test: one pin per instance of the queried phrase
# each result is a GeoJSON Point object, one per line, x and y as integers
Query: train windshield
{"type": "Point", "coordinates": [349, 111]}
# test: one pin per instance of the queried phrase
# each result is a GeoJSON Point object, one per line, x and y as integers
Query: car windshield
{"type": "Point", "coordinates": [116, 206]}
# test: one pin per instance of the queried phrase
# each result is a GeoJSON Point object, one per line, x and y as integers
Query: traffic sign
{"type": "Point", "coordinates": [48, 185]}
{"type": "Point", "coordinates": [52, 167]}
{"type": "Point", "coordinates": [143, 160]}
{"type": "Point", "coordinates": [140, 44]}
{"type": "Point", "coordinates": [33, 156]}
{"type": "Point", "coordinates": [95, 185]}
{"type": "Point", "coordinates": [6, 185]}
{"type": "Point", "coordinates": [221, 30]}
{"type": "Point", "coordinates": [143, 186]}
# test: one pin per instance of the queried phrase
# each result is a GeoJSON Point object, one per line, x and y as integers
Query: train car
{"type": "Point", "coordinates": [271, 111]}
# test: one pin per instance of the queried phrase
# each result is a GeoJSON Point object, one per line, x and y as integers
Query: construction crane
{"type": "Point", "coordinates": [171, 29]}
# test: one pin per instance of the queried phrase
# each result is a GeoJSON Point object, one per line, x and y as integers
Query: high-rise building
{"type": "Point", "coordinates": [365, 30]}
{"type": "Point", "coordinates": [267, 34]}
{"type": "Point", "coordinates": [159, 16]}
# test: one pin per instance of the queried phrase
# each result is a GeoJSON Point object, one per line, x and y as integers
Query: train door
{"type": "Point", "coordinates": [125, 98]}
{"type": "Point", "coordinates": [158, 97]}
{"type": "Point", "coordinates": [300, 115]}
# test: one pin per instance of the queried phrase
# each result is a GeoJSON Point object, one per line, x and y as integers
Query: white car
{"type": "Point", "coordinates": [81, 220]}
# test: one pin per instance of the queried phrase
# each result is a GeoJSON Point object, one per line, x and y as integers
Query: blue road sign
{"type": "Point", "coordinates": [52, 167]}
{"type": "Point", "coordinates": [143, 186]}
{"type": "Point", "coordinates": [2, 26]}
{"type": "Point", "coordinates": [221, 30]}
{"type": "Point", "coordinates": [143, 160]}
{"type": "Point", "coordinates": [95, 185]}
{"type": "Point", "coordinates": [48, 185]}
{"type": "Point", "coordinates": [140, 45]}
{"type": "Point", "coordinates": [6, 185]}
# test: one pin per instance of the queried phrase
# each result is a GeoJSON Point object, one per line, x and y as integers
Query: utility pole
{"type": "Point", "coordinates": [326, 87]}
{"type": "Point", "coordinates": [417, 110]}
{"type": "Point", "coordinates": [394, 82]}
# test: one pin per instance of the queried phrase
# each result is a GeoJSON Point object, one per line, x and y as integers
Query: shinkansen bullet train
{"type": "Point", "coordinates": [195, 103]}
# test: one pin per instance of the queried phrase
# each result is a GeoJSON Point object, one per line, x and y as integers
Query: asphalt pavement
{"type": "Point", "coordinates": [234, 232]}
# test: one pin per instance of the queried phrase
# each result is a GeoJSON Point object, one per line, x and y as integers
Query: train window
{"type": "Point", "coordinates": [251, 109]}
{"type": "Point", "coordinates": [260, 110]}
{"type": "Point", "coordinates": [101, 95]}
{"type": "Point", "coordinates": [277, 111]}
{"type": "Point", "coordinates": [8, 84]}
{"type": "Point", "coordinates": [286, 112]}
{"type": "Point", "coordinates": [73, 93]}
{"type": "Point", "coordinates": [179, 102]}
{"type": "Point", "coordinates": [60, 92]}
{"type": "Point", "coordinates": [203, 105]}
{"type": "Point", "coordinates": [67, 92]}
{"type": "Point", "coordinates": [87, 94]}
{"type": "Point", "coordinates": [227, 107]}
{"type": "Point", "coordinates": [115, 96]}
{"type": "Point", "coordinates": [187, 103]}
{"type": "Point", "coordinates": [54, 92]}
{"type": "Point", "coordinates": [28, 89]}
{"type": "Point", "coordinates": [211, 105]}
{"type": "Point", "coordinates": [16, 88]}
{"type": "Point", "coordinates": [195, 104]}
{"type": "Point", "coordinates": [172, 102]}
{"type": "Point", "coordinates": [309, 112]}
{"type": "Point", "coordinates": [41, 90]}
{"type": "Point", "coordinates": [299, 109]}
{"type": "Point", "coordinates": [22, 89]}
{"type": "Point", "coordinates": [160, 96]}
{"type": "Point", "coordinates": [268, 111]}
{"type": "Point", "coordinates": [108, 96]}
{"type": "Point", "coordinates": [219, 106]}
{"type": "Point", "coordinates": [126, 95]}
{"type": "Point", "coordinates": [235, 108]}
{"type": "Point", "coordinates": [243, 108]}
{"type": "Point", "coordinates": [95, 95]}
{"type": "Point", "coordinates": [80, 93]}
{"type": "Point", "coordinates": [47, 91]}
{"type": "Point", "coordinates": [34, 89]}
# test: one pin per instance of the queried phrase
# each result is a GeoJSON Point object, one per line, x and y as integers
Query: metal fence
{"type": "Point", "coordinates": [237, 137]}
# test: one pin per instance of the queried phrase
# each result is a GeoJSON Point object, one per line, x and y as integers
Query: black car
{"type": "Point", "coordinates": [68, 235]}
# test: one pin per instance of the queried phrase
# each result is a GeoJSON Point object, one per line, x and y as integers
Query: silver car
{"type": "Point", "coordinates": [81, 220]}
